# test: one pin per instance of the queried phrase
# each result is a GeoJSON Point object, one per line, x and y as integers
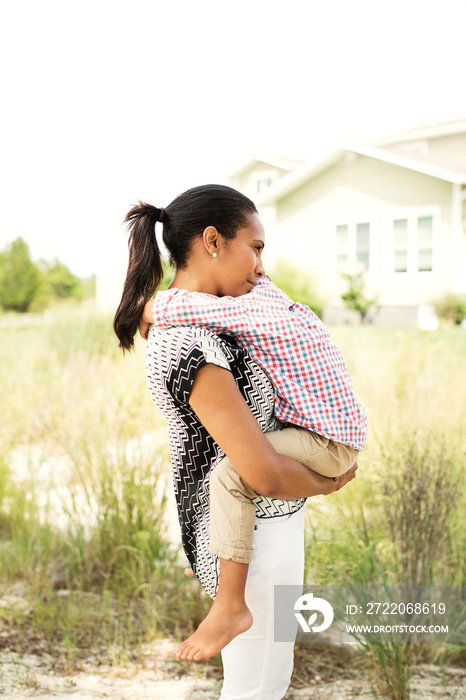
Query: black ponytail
{"type": "Point", "coordinates": [144, 271]}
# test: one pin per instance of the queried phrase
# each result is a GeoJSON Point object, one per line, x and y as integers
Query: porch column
{"type": "Point", "coordinates": [458, 247]}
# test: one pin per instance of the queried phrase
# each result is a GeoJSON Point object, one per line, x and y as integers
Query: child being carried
{"type": "Point", "coordinates": [313, 396]}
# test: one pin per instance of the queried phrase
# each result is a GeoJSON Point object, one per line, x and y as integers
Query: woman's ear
{"type": "Point", "coordinates": [210, 238]}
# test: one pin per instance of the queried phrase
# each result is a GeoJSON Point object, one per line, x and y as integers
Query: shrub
{"type": "Point", "coordinates": [299, 286]}
{"type": "Point", "coordinates": [401, 527]}
{"type": "Point", "coordinates": [420, 504]}
{"type": "Point", "coordinates": [452, 309]}
{"type": "Point", "coordinates": [354, 297]}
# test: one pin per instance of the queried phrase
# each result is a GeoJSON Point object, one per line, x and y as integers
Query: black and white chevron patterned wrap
{"type": "Point", "coordinates": [173, 357]}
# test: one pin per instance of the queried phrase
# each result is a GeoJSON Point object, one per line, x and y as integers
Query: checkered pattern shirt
{"type": "Point", "coordinates": [313, 388]}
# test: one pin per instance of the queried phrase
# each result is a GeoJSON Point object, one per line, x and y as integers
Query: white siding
{"type": "Point", "coordinates": [361, 189]}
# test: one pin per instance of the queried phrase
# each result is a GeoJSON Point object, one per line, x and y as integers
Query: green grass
{"type": "Point", "coordinates": [71, 393]}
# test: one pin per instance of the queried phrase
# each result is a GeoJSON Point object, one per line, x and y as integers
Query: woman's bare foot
{"type": "Point", "coordinates": [222, 624]}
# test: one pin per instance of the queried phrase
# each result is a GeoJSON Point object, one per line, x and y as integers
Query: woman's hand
{"type": "Point", "coordinates": [225, 414]}
{"type": "Point", "coordinates": [337, 482]}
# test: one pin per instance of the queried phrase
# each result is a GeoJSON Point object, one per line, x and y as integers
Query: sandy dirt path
{"type": "Point", "coordinates": [162, 678]}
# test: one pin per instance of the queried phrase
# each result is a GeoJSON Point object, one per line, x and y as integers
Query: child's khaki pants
{"type": "Point", "coordinates": [232, 511]}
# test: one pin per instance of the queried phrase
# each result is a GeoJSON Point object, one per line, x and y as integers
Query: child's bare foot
{"type": "Point", "coordinates": [221, 625]}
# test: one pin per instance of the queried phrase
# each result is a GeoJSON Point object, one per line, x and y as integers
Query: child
{"type": "Point", "coordinates": [313, 390]}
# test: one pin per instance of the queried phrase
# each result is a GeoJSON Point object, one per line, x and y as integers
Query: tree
{"type": "Point", "coordinates": [20, 278]}
{"type": "Point", "coordinates": [25, 286]}
{"type": "Point", "coordinates": [61, 282]}
{"type": "Point", "coordinates": [354, 297]}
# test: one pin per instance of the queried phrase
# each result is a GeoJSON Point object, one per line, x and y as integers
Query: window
{"type": "Point", "coordinates": [425, 227]}
{"type": "Point", "coordinates": [363, 232]}
{"type": "Point", "coordinates": [342, 246]}
{"type": "Point", "coordinates": [352, 246]}
{"type": "Point", "coordinates": [263, 184]}
{"type": "Point", "coordinates": [400, 245]}
{"type": "Point", "coordinates": [413, 239]}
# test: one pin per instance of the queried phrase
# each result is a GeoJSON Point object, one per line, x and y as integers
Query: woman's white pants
{"type": "Point", "coordinates": [255, 667]}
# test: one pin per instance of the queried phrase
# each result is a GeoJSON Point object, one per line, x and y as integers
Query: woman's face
{"type": "Point", "coordinates": [238, 264]}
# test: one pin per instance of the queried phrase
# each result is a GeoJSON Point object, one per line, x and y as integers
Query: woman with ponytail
{"type": "Point", "coordinates": [218, 401]}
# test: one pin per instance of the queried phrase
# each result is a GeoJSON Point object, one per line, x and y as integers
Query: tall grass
{"type": "Point", "coordinates": [401, 521]}
{"type": "Point", "coordinates": [85, 482]}
{"type": "Point", "coordinates": [84, 485]}
{"type": "Point", "coordinates": [410, 380]}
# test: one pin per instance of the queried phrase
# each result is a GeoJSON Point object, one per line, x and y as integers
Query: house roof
{"type": "Point", "coordinates": [425, 132]}
{"type": "Point", "coordinates": [281, 163]}
{"type": "Point", "coordinates": [307, 171]}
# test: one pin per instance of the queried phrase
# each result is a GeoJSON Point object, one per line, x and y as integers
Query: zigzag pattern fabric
{"type": "Point", "coordinates": [174, 355]}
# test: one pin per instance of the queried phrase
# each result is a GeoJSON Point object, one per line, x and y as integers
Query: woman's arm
{"type": "Point", "coordinates": [146, 320]}
{"type": "Point", "coordinates": [147, 315]}
{"type": "Point", "coordinates": [223, 411]}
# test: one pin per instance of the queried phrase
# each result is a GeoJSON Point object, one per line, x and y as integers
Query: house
{"type": "Point", "coordinates": [394, 209]}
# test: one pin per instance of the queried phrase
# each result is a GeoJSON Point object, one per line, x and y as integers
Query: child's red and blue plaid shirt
{"type": "Point", "coordinates": [313, 388]}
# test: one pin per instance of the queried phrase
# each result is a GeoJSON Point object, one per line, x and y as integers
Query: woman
{"type": "Point", "coordinates": [217, 400]}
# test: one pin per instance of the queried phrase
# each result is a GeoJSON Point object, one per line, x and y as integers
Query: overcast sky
{"type": "Point", "coordinates": [105, 102]}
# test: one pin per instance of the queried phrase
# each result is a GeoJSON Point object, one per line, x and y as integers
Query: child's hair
{"type": "Point", "coordinates": [183, 220]}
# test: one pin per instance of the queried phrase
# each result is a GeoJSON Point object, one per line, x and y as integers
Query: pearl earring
{"type": "Point", "coordinates": [214, 255]}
